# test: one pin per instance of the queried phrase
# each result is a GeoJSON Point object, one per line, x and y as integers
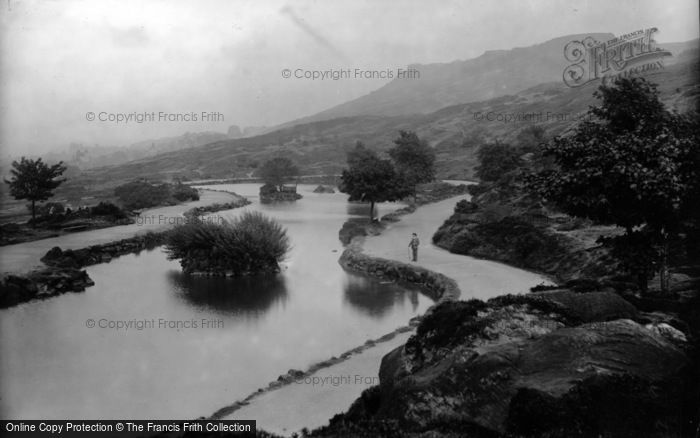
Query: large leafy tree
{"type": "Point", "coordinates": [369, 178]}
{"type": "Point", "coordinates": [413, 159]}
{"type": "Point", "coordinates": [278, 170]}
{"type": "Point", "coordinates": [34, 180]}
{"type": "Point", "coordinates": [633, 164]}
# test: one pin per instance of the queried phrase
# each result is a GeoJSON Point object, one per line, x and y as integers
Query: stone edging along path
{"type": "Point", "coordinates": [437, 286]}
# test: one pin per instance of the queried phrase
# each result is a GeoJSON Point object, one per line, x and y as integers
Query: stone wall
{"type": "Point", "coordinates": [437, 286]}
{"type": "Point", "coordinates": [103, 253]}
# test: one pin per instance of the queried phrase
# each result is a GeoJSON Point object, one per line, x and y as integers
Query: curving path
{"type": "Point", "coordinates": [482, 279]}
{"type": "Point", "coordinates": [23, 257]}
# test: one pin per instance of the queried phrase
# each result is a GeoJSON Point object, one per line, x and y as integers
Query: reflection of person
{"type": "Point", "coordinates": [413, 244]}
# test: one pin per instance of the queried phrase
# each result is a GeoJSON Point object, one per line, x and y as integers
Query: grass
{"type": "Point", "coordinates": [250, 244]}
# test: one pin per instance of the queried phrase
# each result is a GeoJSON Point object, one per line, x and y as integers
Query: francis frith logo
{"type": "Point", "coordinates": [626, 55]}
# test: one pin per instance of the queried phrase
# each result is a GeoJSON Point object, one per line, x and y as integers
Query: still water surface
{"type": "Point", "coordinates": [203, 342]}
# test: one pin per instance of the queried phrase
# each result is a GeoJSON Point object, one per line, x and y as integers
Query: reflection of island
{"type": "Point", "coordinates": [375, 299]}
{"type": "Point", "coordinates": [248, 295]}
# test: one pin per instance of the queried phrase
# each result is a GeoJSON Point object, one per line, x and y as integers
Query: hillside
{"type": "Point", "coordinates": [454, 131]}
{"type": "Point", "coordinates": [495, 73]}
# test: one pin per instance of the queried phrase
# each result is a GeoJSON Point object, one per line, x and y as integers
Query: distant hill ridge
{"type": "Point", "coordinates": [495, 73]}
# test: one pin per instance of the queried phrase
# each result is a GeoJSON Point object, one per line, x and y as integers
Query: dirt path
{"type": "Point", "coordinates": [476, 278]}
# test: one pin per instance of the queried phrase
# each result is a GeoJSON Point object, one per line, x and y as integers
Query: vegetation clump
{"type": "Point", "coordinates": [143, 194]}
{"type": "Point", "coordinates": [247, 245]}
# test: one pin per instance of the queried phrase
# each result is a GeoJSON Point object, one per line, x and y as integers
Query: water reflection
{"type": "Point", "coordinates": [376, 299]}
{"type": "Point", "coordinates": [359, 209]}
{"type": "Point", "coordinates": [249, 296]}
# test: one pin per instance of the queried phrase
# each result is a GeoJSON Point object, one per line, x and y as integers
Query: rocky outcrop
{"type": "Point", "coordinates": [525, 240]}
{"type": "Point", "coordinates": [525, 366]}
{"type": "Point", "coordinates": [44, 283]}
{"type": "Point", "coordinates": [592, 306]}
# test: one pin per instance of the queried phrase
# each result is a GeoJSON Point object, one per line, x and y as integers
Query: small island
{"type": "Point", "coordinates": [277, 173]}
{"type": "Point", "coordinates": [250, 244]}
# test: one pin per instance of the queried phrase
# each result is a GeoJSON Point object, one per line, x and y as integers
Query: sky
{"type": "Point", "coordinates": [64, 60]}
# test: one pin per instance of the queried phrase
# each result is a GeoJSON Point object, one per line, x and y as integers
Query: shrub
{"type": "Point", "coordinates": [497, 160]}
{"type": "Point", "coordinates": [108, 209]}
{"type": "Point", "coordinates": [477, 189]}
{"type": "Point", "coordinates": [250, 244]}
{"type": "Point", "coordinates": [183, 193]}
{"type": "Point", "coordinates": [465, 206]}
{"type": "Point", "coordinates": [464, 242]}
{"type": "Point", "coordinates": [142, 194]}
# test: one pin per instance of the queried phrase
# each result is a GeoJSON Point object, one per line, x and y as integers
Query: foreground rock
{"type": "Point", "coordinates": [44, 283]}
{"type": "Point", "coordinates": [526, 366]}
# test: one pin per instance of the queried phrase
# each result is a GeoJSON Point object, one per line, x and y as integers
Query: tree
{"type": "Point", "coordinates": [635, 165]}
{"type": "Point", "coordinates": [496, 160]}
{"type": "Point", "coordinates": [371, 179]}
{"type": "Point", "coordinates": [530, 139]}
{"type": "Point", "coordinates": [277, 171]}
{"type": "Point", "coordinates": [34, 180]}
{"type": "Point", "coordinates": [413, 159]}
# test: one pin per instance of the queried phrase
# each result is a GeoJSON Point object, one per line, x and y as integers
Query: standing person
{"type": "Point", "coordinates": [413, 244]}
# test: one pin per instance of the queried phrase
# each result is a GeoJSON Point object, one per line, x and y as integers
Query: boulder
{"type": "Point", "coordinates": [486, 386]}
{"type": "Point", "coordinates": [591, 306]}
{"type": "Point", "coordinates": [555, 363]}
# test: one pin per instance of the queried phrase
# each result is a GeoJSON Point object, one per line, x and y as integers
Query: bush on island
{"type": "Point", "coordinates": [250, 244]}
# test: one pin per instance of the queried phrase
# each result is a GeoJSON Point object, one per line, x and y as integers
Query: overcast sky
{"type": "Point", "coordinates": [63, 59]}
